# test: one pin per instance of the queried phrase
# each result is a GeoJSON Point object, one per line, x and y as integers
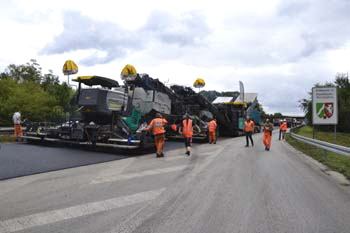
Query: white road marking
{"type": "Point", "coordinates": [131, 224]}
{"type": "Point", "coordinates": [43, 218]}
{"type": "Point", "coordinates": [139, 174]}
{"type": "Point", "coordinates": [115, 168]}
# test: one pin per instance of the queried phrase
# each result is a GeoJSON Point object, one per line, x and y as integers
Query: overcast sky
{"type": "Point", "coordinates": [278, 49]}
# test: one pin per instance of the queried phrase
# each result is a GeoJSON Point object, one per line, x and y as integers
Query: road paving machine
{"type": "Point", "coordinates": [110, 115]}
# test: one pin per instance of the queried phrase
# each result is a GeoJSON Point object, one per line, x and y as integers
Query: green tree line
{"type": "Point", "coordinates": [343, 85]}
{"type": "Point", "coordinates": [39, 97]}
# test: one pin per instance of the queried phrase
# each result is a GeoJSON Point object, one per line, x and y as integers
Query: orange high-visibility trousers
{"type": "Point", "coordinates": [18, 130]}
{"type": "Point", "coordinates": [159, 141]}
{"type": "Point", "coordinates": [212, 136]}
{"type": "Point", "coordinates": [267, 139]}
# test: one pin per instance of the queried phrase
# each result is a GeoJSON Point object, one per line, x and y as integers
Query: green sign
{"type": "Point", "coordinates": [324, 110]}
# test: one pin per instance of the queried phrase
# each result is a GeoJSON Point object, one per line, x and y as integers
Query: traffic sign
{"type": "Point", "coordinates": [324, 106]}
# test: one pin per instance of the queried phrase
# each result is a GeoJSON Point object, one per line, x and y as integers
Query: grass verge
{"type": "Point", "coordinates": [343, 139]}
{"type": "Point", "coordinates": [7, 138]}
{"type": "Point", "coordinates": [334, 161]}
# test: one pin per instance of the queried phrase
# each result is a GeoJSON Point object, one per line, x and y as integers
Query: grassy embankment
{"type": "Point", "coordinates": [334, 161]}
{"type": "Point", "coordinates": [7, 138]}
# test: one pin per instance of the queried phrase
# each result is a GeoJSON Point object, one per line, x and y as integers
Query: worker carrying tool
{"type": "Point", "coordinates": [248, 129]}
{"type": "Point", "coordinates": [268, 127]}
{"type": "Point", "coordinates": [187, 132]}
{"type": "Point", "coordinates": [212, 131]}
{"type": "Point", "coordinates": [283, 129]}
{"type": "Point", "coordinates": [157, 125]}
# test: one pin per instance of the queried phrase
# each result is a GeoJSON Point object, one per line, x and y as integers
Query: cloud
{"type": "Point", "coordinates": [188, 29]}
{"type": "Point", "coordinates": [279, 51]}
{"type": "Point", "coordinates": [290, 32]}
{"type": "Point", "coordinates": [322, 25]}
{"type": "Point", "coordinates": [83, 33]}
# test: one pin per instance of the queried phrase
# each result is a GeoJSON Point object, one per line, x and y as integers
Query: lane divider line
{"type": "Point", "coordinates": [138, 174]}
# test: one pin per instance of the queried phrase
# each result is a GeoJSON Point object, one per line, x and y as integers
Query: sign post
{"type": "Point", "coordinates": [325, 107]}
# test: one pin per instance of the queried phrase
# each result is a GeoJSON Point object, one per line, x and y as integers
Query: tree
{"type": "Point", "coordinates": [343, 84]}
{"type": "Point", "coordinates": [22, 73]}
{"type": "Point", "coordinates": [277, 115]}
{"type": "Point", "coordinates": [49, 80]}
{"type": "Point", "coordinates": [306, 106]}
{"type": "Point", "coordinates": [40, 97]}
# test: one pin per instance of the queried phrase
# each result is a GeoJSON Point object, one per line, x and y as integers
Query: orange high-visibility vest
{"type": "Point", "coordinates": [249, 126]}
{"type": "Point", "coordinates": [212, 126]}
{"type": "Point", "coordinates": [284, 126]}
{"type": "Point", "coordinates": [158, 126]}
{"type": "Point", "coordinates": [173, 127]}
{"type": "Point", "coordinates": [187, 129]}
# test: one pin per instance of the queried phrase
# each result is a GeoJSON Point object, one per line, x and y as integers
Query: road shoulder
{"type": "Point", "coordinates": [336, 176]}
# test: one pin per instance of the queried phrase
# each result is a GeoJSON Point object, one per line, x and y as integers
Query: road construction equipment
{"type": "Point", "coordinates": [113, 115]}
{"type": "Point", "coordinates": [110, 115]}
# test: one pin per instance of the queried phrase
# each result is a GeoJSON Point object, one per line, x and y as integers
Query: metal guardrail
{"type": "Point", "coordinates": [6, 129]}
{"type": "Point", "coordinates": [342, 150]}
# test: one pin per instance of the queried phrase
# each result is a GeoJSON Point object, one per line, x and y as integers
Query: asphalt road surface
{"type": "Point", "coordinates": [219, 188]}
{"type": "Point", "coordinates": [18, 159]}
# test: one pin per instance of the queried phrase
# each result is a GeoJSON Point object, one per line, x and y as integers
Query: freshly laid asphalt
{"type": "Point", "coordinates": [18, 159]}
{"type": "Point", "coordinates": [21, 159]}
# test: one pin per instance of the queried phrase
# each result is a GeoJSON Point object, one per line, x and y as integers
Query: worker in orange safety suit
{"type": "Point", "coordinates": [248, 129]}
{"type": "Point", "coordinates": [187, 132]}
{"type": "Point", "coordinates": [283, 129]}
{"type": "Point", "coordinates": [16, 118]}
{"type": "Point", "coordinates": [212, 131]}
{"type": "Point", "coordinates": [157, 124]}
{"type": "Point", "coordinates": [173, 127]}
{"type": "Point", "coordinates": [268, 127]}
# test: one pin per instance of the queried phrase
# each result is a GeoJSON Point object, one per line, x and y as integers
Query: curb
{"type": "Point", "coordinates": [338, 177]}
